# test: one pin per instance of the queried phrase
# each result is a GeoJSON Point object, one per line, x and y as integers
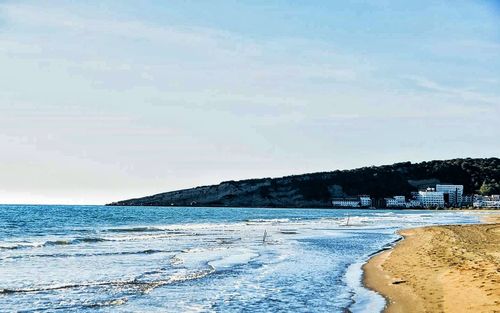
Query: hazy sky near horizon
{"type": "Point", "coordinates": [108, 100]}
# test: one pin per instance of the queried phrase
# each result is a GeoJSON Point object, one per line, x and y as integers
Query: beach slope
{"type": "Point", "coordinates": [440, 269]}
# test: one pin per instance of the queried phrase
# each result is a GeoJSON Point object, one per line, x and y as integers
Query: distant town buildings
{"type": "Point", "coordinates": [441, 196]}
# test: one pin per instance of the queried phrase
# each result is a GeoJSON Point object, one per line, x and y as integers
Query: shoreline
{"type": "Point", "coordinates": [448, 268]}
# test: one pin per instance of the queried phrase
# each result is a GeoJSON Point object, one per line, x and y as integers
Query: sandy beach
{"type": "Point", "coordinates": [441, 269]}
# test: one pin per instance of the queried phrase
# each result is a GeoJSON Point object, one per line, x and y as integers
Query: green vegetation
{"type": "Point", "coordinates": [317, 189]}
{"type": "Point", "coordinates": [488, 188]}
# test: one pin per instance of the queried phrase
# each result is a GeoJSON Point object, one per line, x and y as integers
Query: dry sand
{"type": "Point", "coordinates": [441, 269]}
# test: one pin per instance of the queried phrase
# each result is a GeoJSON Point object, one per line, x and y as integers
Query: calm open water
{"type": "Point", "coordinates": [148, 259]}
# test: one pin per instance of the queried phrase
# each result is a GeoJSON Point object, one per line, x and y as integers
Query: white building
{"type": "Point", "coordinates": [401, 199]}
{"type": "Point", "coordinates": [431, 198]}
{"type": "Point", "coordinates": [346, 202]}
{"type": "Point", "coordinates": [396, 202]}
{"type": "Point", "coordinates": [491, 202]}
{"type": "Point", "coordinates": [487, 204]}
{"type": "Point", "coordinates": [391, 202]}
{"type": "Point", "coordinates": [365, 201]}
{"type": "Point", "coordinates": [454, 193]}
{"type": "Point", "coordinates": [413, 204]}
{"type": "Point", "coordinates": [401, 202]}
{"type": "Point", "coordinates": [352, 202]}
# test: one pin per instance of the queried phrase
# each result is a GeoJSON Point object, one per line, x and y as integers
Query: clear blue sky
{"type": "Point", "coordinates": [106, 100]}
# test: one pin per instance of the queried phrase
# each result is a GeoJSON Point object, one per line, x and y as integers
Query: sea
{"type": "Point", "coordinates": [188, 259]}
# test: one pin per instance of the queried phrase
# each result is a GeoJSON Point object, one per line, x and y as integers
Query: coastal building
{"type": "Point", "coordinates": [346, 202]}
{"type": "Point", "coordinates": [365, 201]}
{"type": "Point", "coordinates": [431, 198]}
{"type": "Point", "coordinates": [390, 203]}
{"type": "Point", "coordinates": [453, 194]}
{"type": "Point", "coordinates": [490, 202]}
{"type": "Point", "coordinates": [401, 199]}
{"type": "Point", "coordinates": [352, 202]}
{"type": "Point", "coordinates": [396, 202]}
{"type": "Point", "coordinates": [401, 202]}
{"type": "Point", "coordinates": [412, 203]}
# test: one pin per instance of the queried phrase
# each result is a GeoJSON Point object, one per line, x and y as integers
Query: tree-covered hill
{"type": "Point", "coordinates": [317, 189]}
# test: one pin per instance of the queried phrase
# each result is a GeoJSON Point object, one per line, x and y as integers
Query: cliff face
{"type": "Point", "coordinates": [317, 189]}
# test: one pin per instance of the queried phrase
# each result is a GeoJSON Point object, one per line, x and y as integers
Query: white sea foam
{"type": "Point", "coordinates": [365, 300]}
{"type": "Point", "coordinates": [234, 259]}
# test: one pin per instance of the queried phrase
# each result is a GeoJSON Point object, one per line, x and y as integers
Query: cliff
{"type": "Point", "coordinates": [315, 190]}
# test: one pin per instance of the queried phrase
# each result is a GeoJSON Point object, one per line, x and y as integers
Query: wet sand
{"type": "Point", "coordinates": [441, 269]}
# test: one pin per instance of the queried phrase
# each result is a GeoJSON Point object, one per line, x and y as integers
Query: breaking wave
{"type": "Point", "coordinates": [59, 242]}
{"type": "Point", "coordinates": [136, 284]}
{"type": "Point", "coordinates": [73, 255]}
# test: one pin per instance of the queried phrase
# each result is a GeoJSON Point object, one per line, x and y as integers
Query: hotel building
{"type": "Point", "coordinates": [395, 202]}
{"type": "Point", "coordinates": [431, 198]}
{"type": "Point", "coordinates": [453, 193]}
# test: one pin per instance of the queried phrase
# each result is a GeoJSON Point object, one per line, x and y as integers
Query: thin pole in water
{"type": "Point", "coordinates": [348, 216]}
{"type": "Point", "coordinates": [264, 237]}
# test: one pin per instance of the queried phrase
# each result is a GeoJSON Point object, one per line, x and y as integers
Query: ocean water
{"type": "Point", "coordinates": [149, 259]}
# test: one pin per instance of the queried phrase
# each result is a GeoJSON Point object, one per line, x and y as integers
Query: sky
{"type": "Point", "coordinates": [109, 100]}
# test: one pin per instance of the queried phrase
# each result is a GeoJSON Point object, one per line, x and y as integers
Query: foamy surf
{"type": "Point", "coordinates": [364, 300]}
